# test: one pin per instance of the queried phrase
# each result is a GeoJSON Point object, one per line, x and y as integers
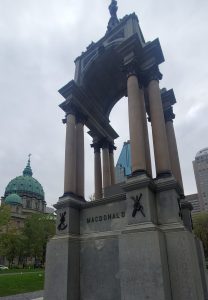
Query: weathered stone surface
{"type": "Point", "coordinates": [202, 266]}
{"type": "Point", "coordinates": [168, 210]}
{"type": "Point", "coordinates": [62, 269]}
{"type": "Point", "coordinates": [99, 269]}
{"type": "Point", "coordinates": [146, 206]}
{"type": "Point", "coordinates": [108, 217]}
{"type": "Point", "coordinates": [143, 266]}
{"type": "Point", "coordinates": [71, 223]}
{"type": "Point", "coordinates": [183, 266]}
{"type": "Point", "coordinates": [67, 220]}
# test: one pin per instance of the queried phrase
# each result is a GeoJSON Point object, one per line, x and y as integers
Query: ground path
{"type": "Point", "coordinates": [28, 296]}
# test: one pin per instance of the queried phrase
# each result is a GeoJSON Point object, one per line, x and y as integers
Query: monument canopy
{"type": "Point", "coordinates": [100, 80]}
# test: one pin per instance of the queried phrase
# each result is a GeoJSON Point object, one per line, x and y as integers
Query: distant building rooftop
{"type": "Point", "coordinates": [194, 200]}
{"type": "Point", "coordinates": [202, 152]}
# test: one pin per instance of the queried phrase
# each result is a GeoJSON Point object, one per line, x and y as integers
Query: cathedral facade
{"type": "Point", "coordinates": [25, 195]}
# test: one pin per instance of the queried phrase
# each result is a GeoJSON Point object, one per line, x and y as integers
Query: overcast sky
{"type": "Point", "coordinates": [39, 40]}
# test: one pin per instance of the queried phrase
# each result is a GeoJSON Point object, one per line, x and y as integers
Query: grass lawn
{"type": "Point", "coordinates": [23, 282]}
{"type": "Point", "coordinates": [20, 271]}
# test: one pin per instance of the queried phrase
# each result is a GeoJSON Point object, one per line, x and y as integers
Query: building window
{"type": "Point", "coordinates": [28, 204]}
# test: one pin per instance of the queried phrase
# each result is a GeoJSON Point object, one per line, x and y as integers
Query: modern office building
{"type": "Point", "coordinates": [194, 200]}
{"type": "Point", "coordinates": [123, 166]}
{"type": "Point", "coordinates": [200, 165]}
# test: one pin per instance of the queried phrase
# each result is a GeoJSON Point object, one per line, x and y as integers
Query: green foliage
{"type": "Point", "coordinates": [11, 243]}
{"type": "Point", "coordinates": [200, 224]}
{"type": "Point", "coordinates": [38, 229]}
{"type": "Point", "coordinates": [5, 215]}
{"type": "Point", "coordinates": [12, 284]}
{"type": "Point", "coordinates": [30, 242]}
{"type": "Point", "coordinates": [10, 246]}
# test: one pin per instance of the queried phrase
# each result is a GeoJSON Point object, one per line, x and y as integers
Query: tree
{"type": "Point", "coordinates": [9, 237]}
{"type": "Point", "coordinates": [9, 246]}
{"type": "Point", "coordinates": [38, 229]}
{"type": "Point", "coordinates": [200, 224]}
{"type": "Point", "coordinates": [5, 215]}
{"type": "Point", "coordinates": [30, 242]}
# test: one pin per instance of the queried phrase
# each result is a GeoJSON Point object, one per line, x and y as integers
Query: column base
{"type": "Point", "coordinates": [98, 197]}
{"type": "Point", "coordinates": [137, 173]}
{"type": "Point", "coordinates": [164, 174]}
{"type": "Point", "coordinates": [74, 196]}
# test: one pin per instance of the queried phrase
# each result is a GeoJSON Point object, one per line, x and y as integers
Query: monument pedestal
{"type": "Point", "coordinates": [63, 253]}
{"type": "Point", "coordinates": [127, 246]}
{"type": "Point", "coordinates": [62, 268]}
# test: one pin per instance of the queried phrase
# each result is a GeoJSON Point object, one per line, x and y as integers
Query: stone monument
{"type": "Point", "coordinates": [134, 241]}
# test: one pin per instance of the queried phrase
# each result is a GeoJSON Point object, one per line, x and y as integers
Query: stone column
{"type": "Point", "coordinates": [80, 156]}
{"type": "Point", "coordinates": [136, 122]}
{"type": "Point", "coordinates": [97, 171]}
{"type": "Point", "coordinates": [146, 139]}
{"type": "Point", "coordinates": [162, 161]}
{"type": "Point", "coordinates": [172, 146]}
{"type": "Point", "coordinates": [70, 155]}
{"type": "Point", "coordinates": [112, 167]}
{"type": "Point", "coordinates": [106, 165]}
{"type": "Point", "coordinates": [147, 148]}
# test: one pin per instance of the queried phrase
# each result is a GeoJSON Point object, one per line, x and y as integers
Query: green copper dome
{"type": "Point", "coordinates": [13, 199]}
{"type": "Point", "coordinates": [25, 185]}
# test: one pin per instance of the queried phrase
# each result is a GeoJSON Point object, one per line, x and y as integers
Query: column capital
{"type": "Point", "coordinates": [151, 74]}
{"type": "Point", "coordinates": [105, 144]}
{"type": "Point", "coordinates": [169, 115]}
{"type": "Point", "coordinates": [97, 146]}
{"type": "Point", "coordinates": [131, 68]}
{"type": "Point", "coordinates": [71, 110]}
{"type": "Point", "coordinates": [80, 118]}
{"type": "Point", "coordinates": [111, 147]}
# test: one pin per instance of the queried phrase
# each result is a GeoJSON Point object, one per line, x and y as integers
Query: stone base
{"type": "Point", "coordinates": [129, 265]}
{"type": "Point", "coordinates": [202, 266]}
{"type": "Point", "coordinates": [62, 269]}
{"type": "Point", "coordinates": [184, 269]}
{"type": "Point", "coordinates": [127, 246]}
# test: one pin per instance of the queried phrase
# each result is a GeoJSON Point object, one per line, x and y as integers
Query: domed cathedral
{"type": "Point", "coordinates": [25, 195]}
